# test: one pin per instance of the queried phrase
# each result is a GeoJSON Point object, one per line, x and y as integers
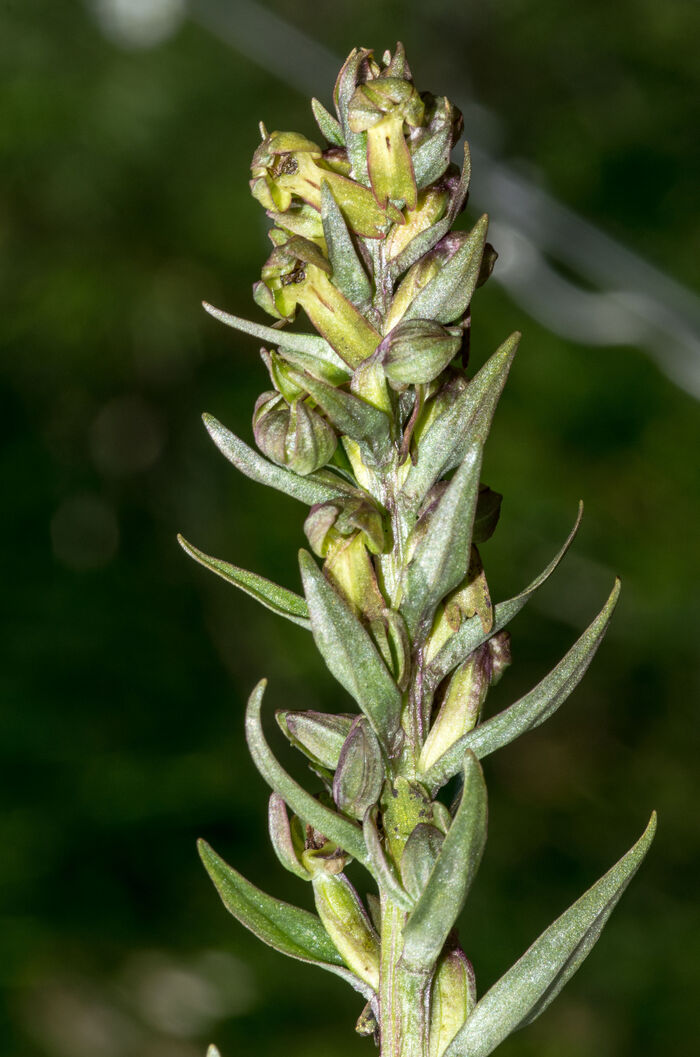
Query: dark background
{"type": "Point", "coordinates": [124, 147]}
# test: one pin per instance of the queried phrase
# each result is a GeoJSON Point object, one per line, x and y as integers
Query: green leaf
{"type": "Point", "coordinates": [281, 601]}
{"type": "Point", "coordinates": [350, 653]}
{"type": "Point", "coordinates": [418, 247]}
{"type": "Point", "coordinates": [432, 157]}
{"type": "Point", "coordinates": [327, 372]}
{"type": "Point", "coordinates": [330, 128]}
{"type": "Point", "coordinates": [447, 296]}
{"type": "Point", "coordinates": [441, 557]}
{"type": "Point", "coordinates": [287, 928]}
{"type": "Point", "coordinates": [467, 420]}
{"type": "Point", "coordinates": [532, 709]}
{"type": "Point", "coordinates": [381, 868]}
{"type": "Point", "coordinates": [351, 416]}
{"type": "Point", "coordinates": [536, 979]}
{"type": "Point", "coordinates": [435, 913]}
{"type": "Point", "coordinates": [310, 489]}
{"type": "Point", "coordinates": [338, 829]}
{"type": "Point", "coordinates": [348, 273]}
{"type": "Point", "coordinates": [471, 634]}
{"type": "Point", "coordinates": [311, 343]}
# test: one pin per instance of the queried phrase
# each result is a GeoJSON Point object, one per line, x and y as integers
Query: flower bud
{"type": "Point", "coordinates": [296, 437]}
{"type": "Point", "coordinates": [452, 998]}
{"type": "Point", "coordinates": [360, 773]}
{"type": "Point", "coordinates": [429, 268]}
{"type": "Point", "coordinates": [417, 351]}
{"type": "Point", "coordinates": [430, 208]}
{"type": "Point", "coordinates": [346, 921]}
{"type": "Point", "coordinates": [419, 857]}
{"type": "Point", "coordinates": [391, 638]}
{"type": "Point", "coordinates": [461, 707]}
{"type": "Point", "coordinates": [327, 522]}
{"type": "Point", "coordinates": [287, 837]}
{"type": "Point", "coordinates": [319, 735]}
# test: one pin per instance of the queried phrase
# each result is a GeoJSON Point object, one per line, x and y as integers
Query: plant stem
{"type": "Point", "coordinates": [403, 994]}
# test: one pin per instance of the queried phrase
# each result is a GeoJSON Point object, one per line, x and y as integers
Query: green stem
{"type": "Point", "coordinates": [403, 994]}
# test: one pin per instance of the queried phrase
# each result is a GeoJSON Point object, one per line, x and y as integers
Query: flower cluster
{"type": "Point", "coordinates": [374, 422]}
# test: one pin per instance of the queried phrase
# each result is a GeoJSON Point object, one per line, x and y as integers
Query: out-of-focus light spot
{"type": "Point", "coordinates": [84, 533]}
{"type": "Point", "coordinates": [139, 23]}
{"type": "Point", "coordinates": [126, 437]}
{"type": "Point", "coordinates": [185, 1000]}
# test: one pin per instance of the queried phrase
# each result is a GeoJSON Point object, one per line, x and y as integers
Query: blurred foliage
{"type": "Point", "coordinates": [123, 203]}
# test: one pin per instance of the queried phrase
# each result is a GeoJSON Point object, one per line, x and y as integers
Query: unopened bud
{"type": "Point", "coordinates": [417, 351]}
{"type": "Point", "coordinates": [320, 736]}
{"type": "Point", "coordinates": [391, 637]}
{"type": "Point", "coordinates": [296, 437]}
{"type": "Point", "coordinates": [453, 997]}
{"type": "Point", "coordinates": [430, 207]}
{"type": "Point", "coordinates": [419, 857]}
{"type": "Point", "coordinates": [327, 522]}
{"type": "Point", "coordinates": [411, 285]}
{"type": "Point", "coordinates": [360, 773]}
{"type": "Point", "coordinates": [287, 837]}
{"type": "Point", "coordinates": [461, 707]}
{"type": "Point", "coordinates": [346, 922]}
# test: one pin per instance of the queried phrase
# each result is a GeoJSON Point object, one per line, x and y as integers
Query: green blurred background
{"type": "Point", "coordinates": [126, 129]}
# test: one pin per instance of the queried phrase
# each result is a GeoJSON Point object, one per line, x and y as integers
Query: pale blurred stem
{"type": "Point", "coordinates": [403, 994]}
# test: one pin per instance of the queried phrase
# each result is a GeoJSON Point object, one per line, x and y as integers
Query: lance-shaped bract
{"type": "Point", "coordinates": [376, 425]}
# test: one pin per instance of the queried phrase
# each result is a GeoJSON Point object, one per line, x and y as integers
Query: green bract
{"type": "Point", "coordinates": [373, 422]}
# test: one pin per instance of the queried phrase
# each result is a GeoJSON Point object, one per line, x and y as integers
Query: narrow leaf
{"type": "Point", "coordinates": [310, 489]}
{"type": "Point", "coordinates": [442, 555]}
{"type": "Point", "coordinates": [471, 634]}
{"type": "Point", "coordinates": [435, 913]}
{"type": "Point", "coordinates": [334, 826]}
{"type": "Point", "coordinates": [330, 128]}
{"type": "Point", "coordinates": [349, 274]}
{"type": "Point", "coordinates": [351, 416]}
{"type": "Point", "coordinates": [466, 421]}
{"type": "Point", "coordinates": [532, 709]}
{"type": "Point", "coordinates": [536, 979]}
{"type": "Point", "coordinates": [381, 868]}
{"type": "Point", "coordinates": [286, 928]}
{"type": "Point", "coordinates": [311, 343]}
{"type": "Point", "coordinates": [350, 653]}
{"type": "Point", "coordinates": [281, 601]}
{"type": "Point", "coordinates": [322, 369]}
{"type": "Point", "coordinates": [447, 296]}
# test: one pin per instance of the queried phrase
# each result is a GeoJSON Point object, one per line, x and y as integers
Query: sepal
{"type": "Point", "coordinates": [319, 735]}
{"type": "Point", "coordinates": [359, 776]}
{"type": "Point", "coordinates": [286, 837]}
